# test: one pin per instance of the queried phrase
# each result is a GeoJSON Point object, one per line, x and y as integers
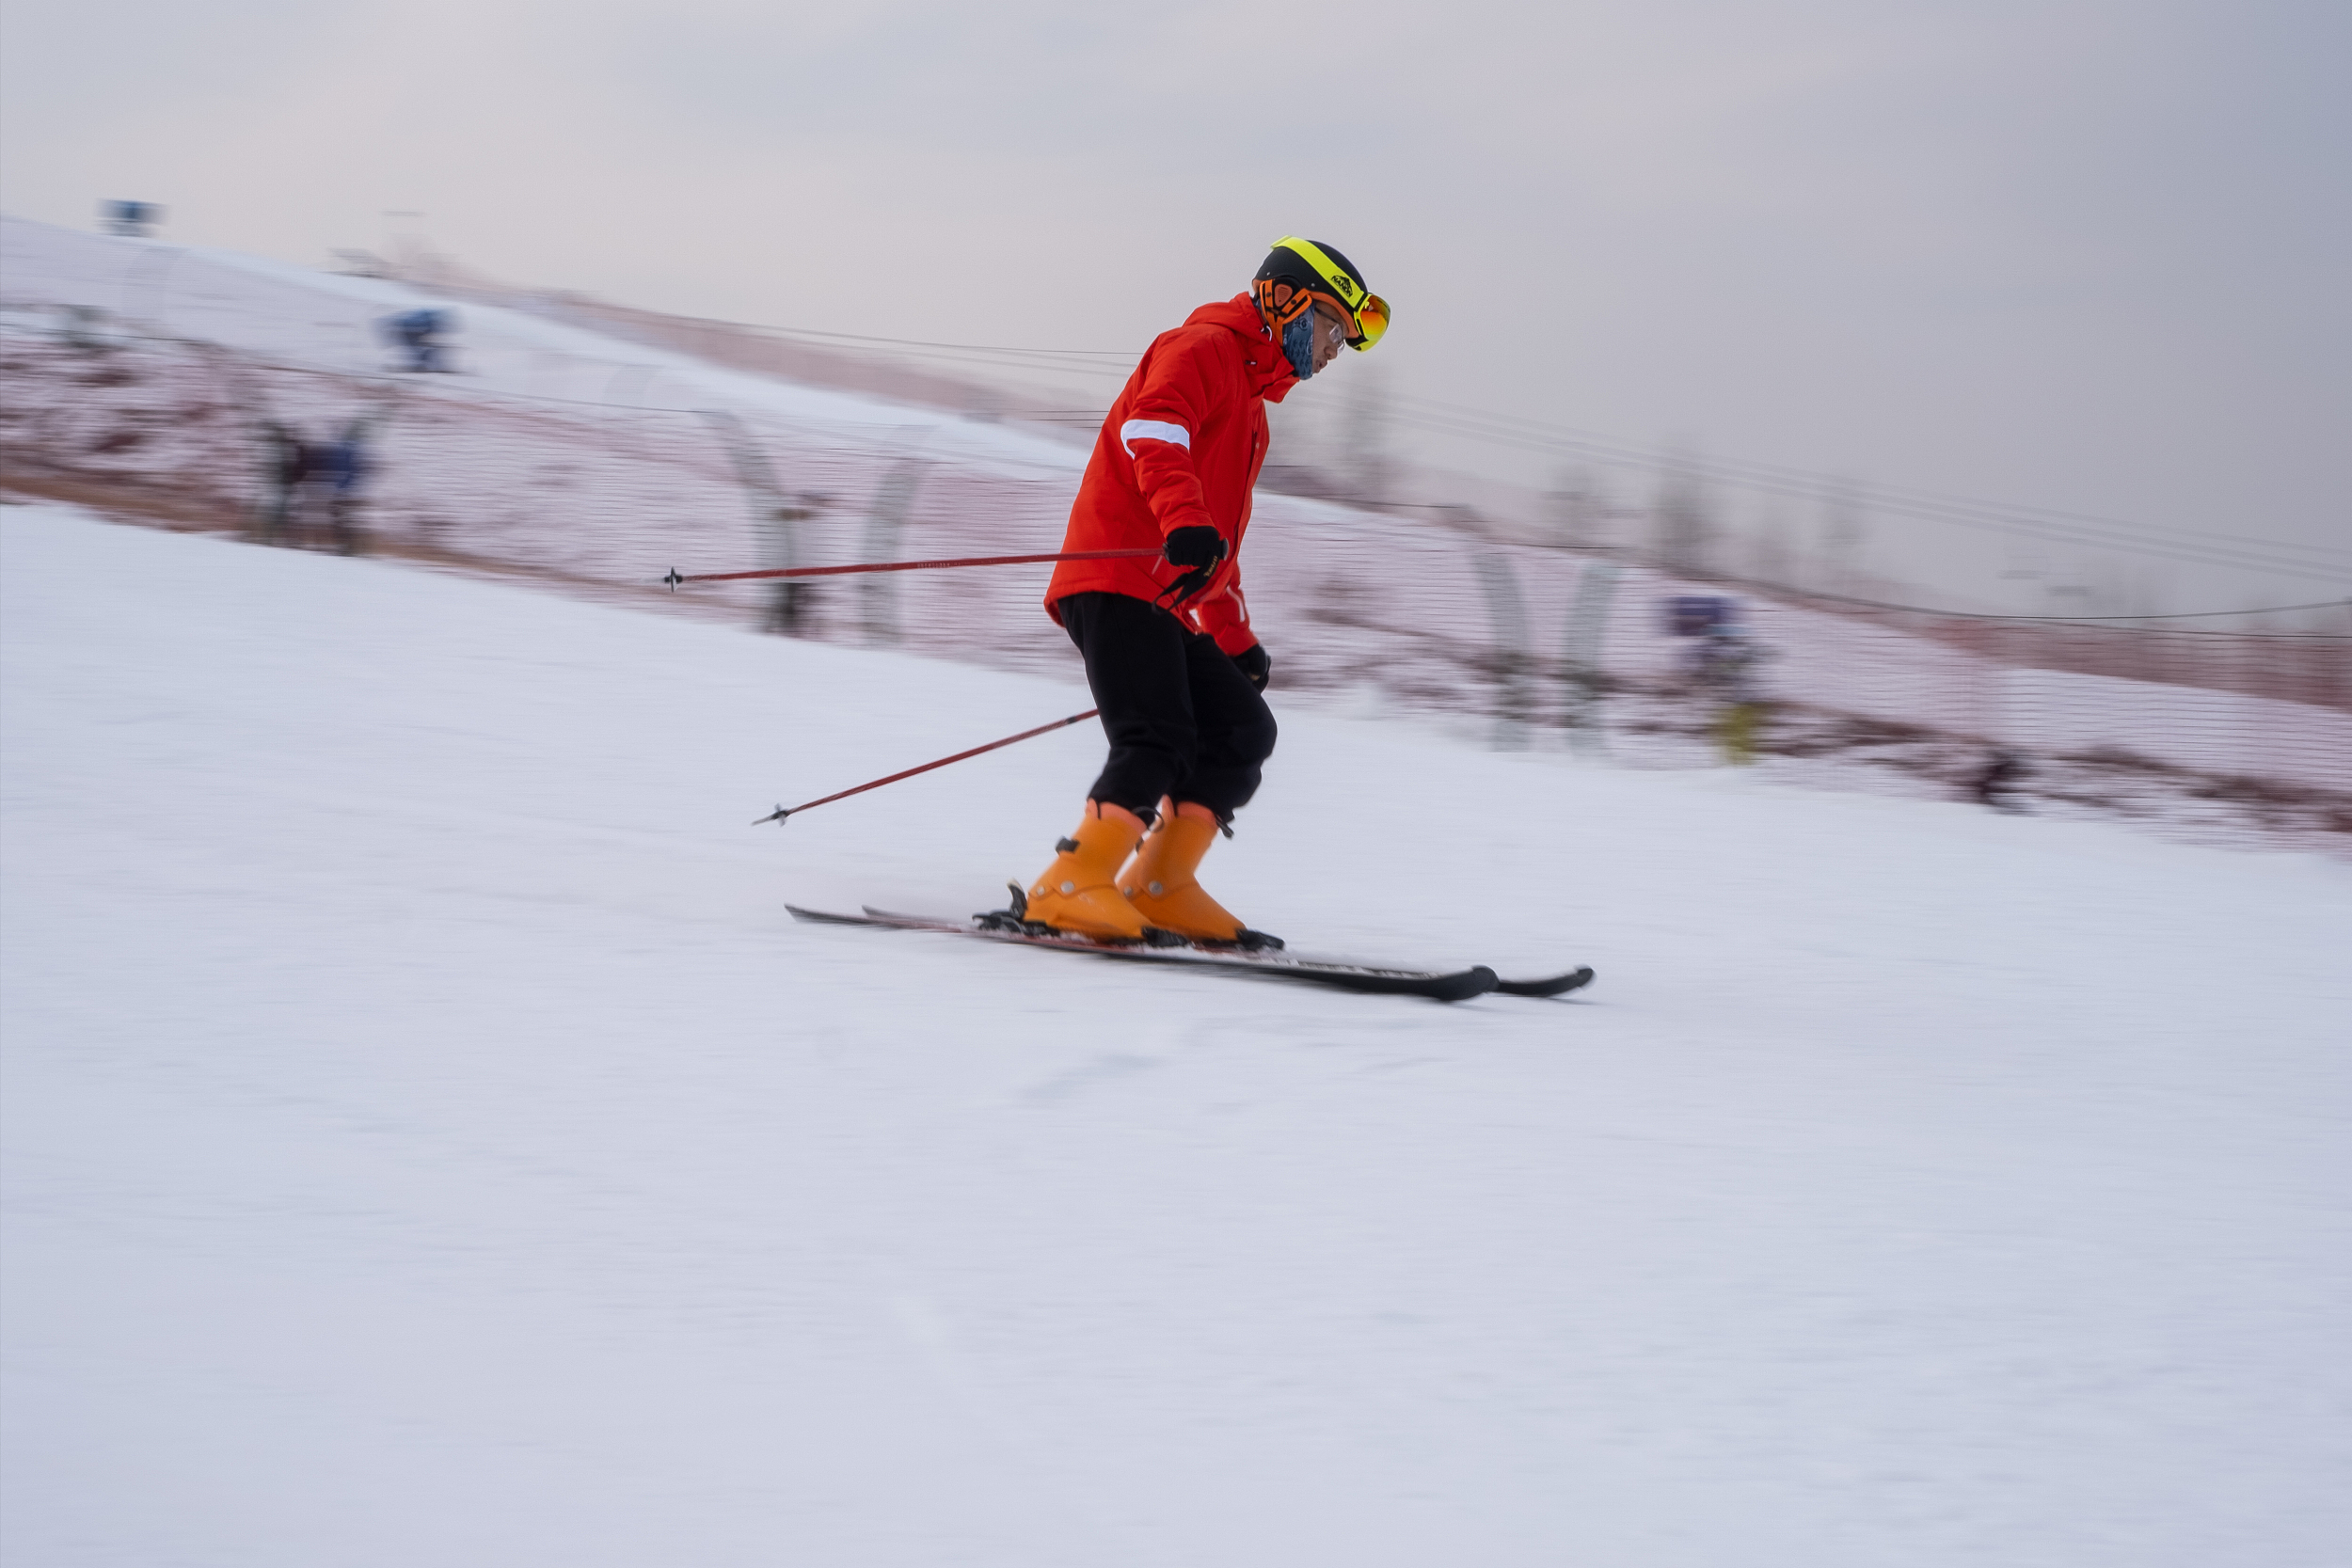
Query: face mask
{"type": "Point", "coordinates": [1298, 343]}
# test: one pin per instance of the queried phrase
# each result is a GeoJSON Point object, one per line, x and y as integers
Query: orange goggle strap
{"type": "Point", "coordinates": [1367, 313]}
{"type": "Point", "coordinates": [1279, 316]}
{"type": "Point", "coordinates": [1365, 325]}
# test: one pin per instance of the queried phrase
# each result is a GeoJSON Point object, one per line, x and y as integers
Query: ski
{"type": "Point", "coordinates": [1456, 987]}
{"type": "Point", "coordinates": [1262, 964]}
{"type": "Point", "coordinates": [1260, 950]}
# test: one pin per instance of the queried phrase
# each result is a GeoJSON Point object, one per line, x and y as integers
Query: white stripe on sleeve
{"type": "Point", "coordinates": [1153, 430]}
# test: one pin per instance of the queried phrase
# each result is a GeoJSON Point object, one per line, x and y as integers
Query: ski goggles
{"type": "Point", "coordinates": [1367, 313]}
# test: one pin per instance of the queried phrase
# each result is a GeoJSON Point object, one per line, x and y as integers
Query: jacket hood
{"type": "Point", "coordinates": [1270, 374]}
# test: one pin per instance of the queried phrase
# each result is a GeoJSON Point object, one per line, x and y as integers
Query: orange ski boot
{"type": "Point", "coordinates": [1079, 892]}
{"type": "Point", "coordinates": [1161, 884]}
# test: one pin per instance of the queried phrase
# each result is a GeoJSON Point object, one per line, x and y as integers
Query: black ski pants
{"type": "Point", "coordinates": [1183, 719]}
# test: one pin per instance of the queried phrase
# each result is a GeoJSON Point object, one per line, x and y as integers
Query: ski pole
{"type": "Point", "coordinates": [782, 811]}
{"type": "Point", "coordinates": [675, 576]}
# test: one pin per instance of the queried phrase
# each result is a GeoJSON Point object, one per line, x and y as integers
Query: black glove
{"type": "Point", "coordinates": [1199, 548]}
{"type": "Point", "coordinates": [1255, 663]}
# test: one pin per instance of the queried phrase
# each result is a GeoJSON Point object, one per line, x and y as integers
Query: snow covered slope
{"type": "Point", "coordinates": [427, 1140]}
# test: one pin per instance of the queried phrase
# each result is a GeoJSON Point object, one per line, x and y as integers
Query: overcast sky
{"type": "Point", "coordinates": [2083, 255]}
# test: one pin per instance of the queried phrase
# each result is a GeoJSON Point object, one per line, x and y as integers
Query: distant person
{"type": "Point", "coordinates": [133, 220]}
{"type": "Point", "coordinates": [1724, 665]}
{"type": "Point", "coordinates": [792, 600]}
{"type": "Point", "coordinates": [1169, 654]}
{"type": "Point", "coordinates": [342, 466]}
{"type": "Point", "coordinates": [1995, 783]}
{"type": "Point", "coordinates": [289, 461]}
{"type": "Point", "coordinates": [418, 334]}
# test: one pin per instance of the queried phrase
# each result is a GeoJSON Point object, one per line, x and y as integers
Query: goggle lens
{"type": "Point", "coordinates": [1372, 321]}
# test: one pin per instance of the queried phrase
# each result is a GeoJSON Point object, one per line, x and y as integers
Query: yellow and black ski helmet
{"type": "Point", "coordinates": [1313, 271]}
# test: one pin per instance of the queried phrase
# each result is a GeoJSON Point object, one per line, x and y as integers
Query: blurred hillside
{"type": "Point", "coordinates": [596, 447]}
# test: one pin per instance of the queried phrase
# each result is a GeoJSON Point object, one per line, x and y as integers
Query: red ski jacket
{"type": "Point", "coordinates": [1181, 446]}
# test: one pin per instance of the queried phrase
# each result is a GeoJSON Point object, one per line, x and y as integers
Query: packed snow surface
{"type": "Point", "coordinates": [427, 1140]}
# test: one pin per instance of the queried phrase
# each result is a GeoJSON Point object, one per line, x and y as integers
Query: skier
{"type": "Point", "coordinates": [292, 463]}
{"type": "Point", "coordinates": [1996, 782]}
{"type": "Point", "coordinates": [1724, 664]}
{"type": "Point", "coordinates": [1169, 656]}
{"type": "Point", "coordinates": [418, 334]}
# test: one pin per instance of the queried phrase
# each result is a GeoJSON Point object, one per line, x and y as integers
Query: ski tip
{"type": "Point", "coordinates": [1557, 984]}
